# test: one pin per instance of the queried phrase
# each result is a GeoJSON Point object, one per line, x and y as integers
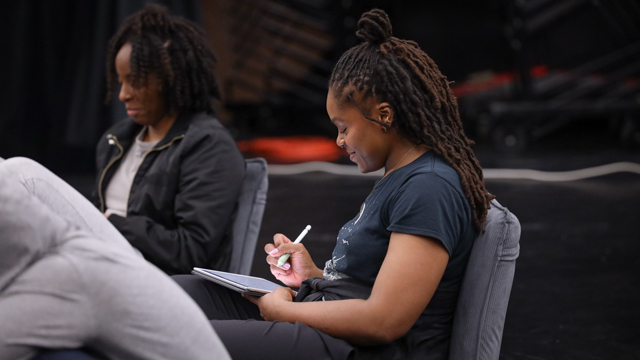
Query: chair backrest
{"type": "Point", "coordinates": [251, 203]}
{"type": "Point", "coordinates": [484, 296]}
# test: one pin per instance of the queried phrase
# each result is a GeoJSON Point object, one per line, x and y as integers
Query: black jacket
{"type": "Point", "coordinates": [183, 198]}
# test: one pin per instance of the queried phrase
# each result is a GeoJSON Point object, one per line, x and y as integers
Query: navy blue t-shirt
{"type": "Point", "coordinates": [423, 198]}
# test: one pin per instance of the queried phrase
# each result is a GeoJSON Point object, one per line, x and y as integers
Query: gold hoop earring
{"type": "Point", "coordinates": [387, 125]}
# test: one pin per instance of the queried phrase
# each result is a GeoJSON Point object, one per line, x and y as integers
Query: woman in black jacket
{"type": "Point", "coordinates": [169, 175]}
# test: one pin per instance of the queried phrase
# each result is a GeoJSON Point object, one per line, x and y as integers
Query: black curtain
{"type": "Point", "coordinates": [52, 72]}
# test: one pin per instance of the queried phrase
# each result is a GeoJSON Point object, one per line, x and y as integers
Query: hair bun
{"type": "Point", "coordinates": [153, 16]}
{"type": "Point", "coordinates": [374, 26]}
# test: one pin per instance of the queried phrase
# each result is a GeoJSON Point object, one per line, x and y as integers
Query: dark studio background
{"type": "Point", "coordinates": [544, 85]}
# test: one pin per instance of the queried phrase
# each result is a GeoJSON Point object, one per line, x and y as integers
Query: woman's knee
{"type": "Point", "coordinates": [22, 168]}
{"type": "Point", "coordinates": [19, 163]}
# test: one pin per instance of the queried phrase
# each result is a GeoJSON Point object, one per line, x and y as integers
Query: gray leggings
{"type": "Point", "coordinates": [68, 279]}
{"type": "Point", "coordinates": [246, 336]}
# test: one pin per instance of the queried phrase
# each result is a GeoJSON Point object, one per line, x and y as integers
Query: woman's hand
{"type": "Point", "coordinates": [270, 303]}
{"type": "Point", "coordinates": [298, 268]}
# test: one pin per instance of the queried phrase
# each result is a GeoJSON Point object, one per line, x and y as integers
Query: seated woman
{"type": "Point", "coordinates": [169, 175]}
{"type": "Point", "coordinates": [391, 287]}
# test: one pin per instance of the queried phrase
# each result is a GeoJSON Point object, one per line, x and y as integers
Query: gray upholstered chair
{"type": "Point", "coordinates": [251, 204]}
{"type": "Point", "coordinates": [484, 296]}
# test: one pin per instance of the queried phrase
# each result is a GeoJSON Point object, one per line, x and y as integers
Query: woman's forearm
{"type": "Point", "coordinates": [357, 321]}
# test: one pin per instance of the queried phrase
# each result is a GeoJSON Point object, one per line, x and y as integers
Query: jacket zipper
{"type": "Point", "coordinates": [112, 141]}
{"type": "Point", "coordinates": [145, 155]}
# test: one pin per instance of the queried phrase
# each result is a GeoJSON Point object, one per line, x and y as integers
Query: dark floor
{"type": "Point", "coordinates": [576, 293]}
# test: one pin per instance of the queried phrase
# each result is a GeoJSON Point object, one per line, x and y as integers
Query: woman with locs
{"type": "Point", "coordinates": [390, 289]}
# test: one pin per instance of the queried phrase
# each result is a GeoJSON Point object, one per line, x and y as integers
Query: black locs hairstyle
{"type": "Point", "coordinates": [173, 49]}
{"type": "Point", "coordinates": [425, 110]}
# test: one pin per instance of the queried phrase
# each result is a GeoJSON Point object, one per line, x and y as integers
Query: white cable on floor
{"type": "Point", "coordinates": [528, 174]}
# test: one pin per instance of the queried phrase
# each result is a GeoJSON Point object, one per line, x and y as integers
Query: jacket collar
{"type": "Point", "coordinates": [129, 129]}
{"type": "Point", "coordinates": [179, 127]}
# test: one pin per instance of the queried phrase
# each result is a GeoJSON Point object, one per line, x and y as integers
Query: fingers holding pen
{"type": "Point", "coordinates": [273, 254]}
{"type": "Point", "coordinates": [275, 267]}
{"type": "Point", "coordinates": [282, 243]}
{"type": "Point", "coordinates": [293, 271]}
{"type": "Point", "coordinates": [274, 257]}
{"type": "Point", "coordinates": [273, 249]}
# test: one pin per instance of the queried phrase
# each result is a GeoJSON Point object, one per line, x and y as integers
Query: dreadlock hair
{"type": "Point", "coordinates": [173, 49]}
{"type": "Point", "coordinates": [425, 110]}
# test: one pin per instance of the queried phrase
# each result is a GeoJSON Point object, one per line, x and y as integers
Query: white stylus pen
{"type": "Point", "coordinates": [283, 259]}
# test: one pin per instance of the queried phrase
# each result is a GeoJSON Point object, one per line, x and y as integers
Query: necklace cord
{"type": "Point", "coordinates": [395, 167]}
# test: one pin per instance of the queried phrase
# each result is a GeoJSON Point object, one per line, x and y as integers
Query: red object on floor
{"type": "Point", "coordinates": [293, 149]}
